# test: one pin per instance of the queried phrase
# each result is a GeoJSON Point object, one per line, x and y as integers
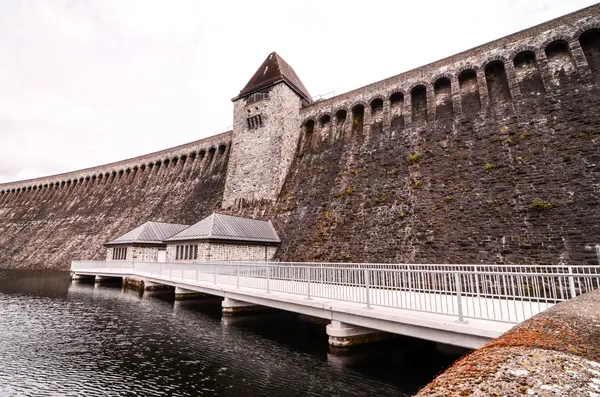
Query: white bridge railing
{"type": "Point", "coordinates": [490, 292]}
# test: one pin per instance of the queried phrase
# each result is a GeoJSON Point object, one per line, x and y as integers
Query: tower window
{"type": "Point", "coordinates": [254, 122]}
{"type": "Point", "coordinates": [257, 96]}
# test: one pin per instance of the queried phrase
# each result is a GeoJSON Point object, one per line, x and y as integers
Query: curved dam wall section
{"type": "Point", "coordinates": [491, 155]}
{"type": "Point", "coordinates": [46, 222]}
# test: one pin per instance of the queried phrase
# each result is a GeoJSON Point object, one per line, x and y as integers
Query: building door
{"type": "Point", "coordinates": [162, 255]}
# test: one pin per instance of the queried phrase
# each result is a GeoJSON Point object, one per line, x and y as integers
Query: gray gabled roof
{"type": "Point", "coordinates": [149, 233]}
{"type": "Point", "coordinates": [227, 227]}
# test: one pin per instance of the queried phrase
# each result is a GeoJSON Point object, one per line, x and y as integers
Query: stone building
{"type": "Point", "coordinates": [145, 243]}
{"type": "Point", "coordinates": [224, 237]}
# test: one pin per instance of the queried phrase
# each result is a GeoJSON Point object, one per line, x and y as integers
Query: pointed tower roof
{"type": "Point", "coordinates": [232, 228]}
{"type": "Point", "coordinates": [149, 233]}
{"type": "Point", "coordinates": [272, 71]}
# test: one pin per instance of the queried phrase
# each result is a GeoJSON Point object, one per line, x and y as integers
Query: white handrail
{"type": "Point", "coordinates": [498, 293]}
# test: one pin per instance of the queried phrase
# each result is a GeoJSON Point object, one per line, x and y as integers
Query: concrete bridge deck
{"type": "Point", "coordinates": [461, 307]}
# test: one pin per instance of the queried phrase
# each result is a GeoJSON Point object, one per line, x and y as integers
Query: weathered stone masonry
{"type": "Point", "coordinates": [214, 251]}
{"type": "Point", "coordinates": [138, 254]}
{"type": "Point", "coordinates": [46, 222]}
{"type": "Point", "coordinates": [489, 155]}
{"type": "Point", "coordinates": [456, 161]}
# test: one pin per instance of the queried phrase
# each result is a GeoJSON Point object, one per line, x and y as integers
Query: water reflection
{"type": "Point", "coordinates": [61, 338]}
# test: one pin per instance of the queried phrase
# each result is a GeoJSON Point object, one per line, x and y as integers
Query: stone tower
{"type": "Point", "coordinates": [266, 128]}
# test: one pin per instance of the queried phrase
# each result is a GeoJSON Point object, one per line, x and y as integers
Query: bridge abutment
{"type": "Point", "coordinates": [343, 335]}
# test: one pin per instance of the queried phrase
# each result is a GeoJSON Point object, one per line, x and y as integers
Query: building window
{"type": "Point", "coordinates": [254, 122]}
{"type": "Point", "coordinates": [119, 253]}
{"type": "Point", "coordinates": [187, 252]}
{"type": "Point", "coordinates": [196, 251]}
{"type": "Point", "coordinates": [177, 257]}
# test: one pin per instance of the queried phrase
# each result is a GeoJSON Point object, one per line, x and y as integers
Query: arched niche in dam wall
{"type": "Point", "coordinates": [377, 115]}
{"type": "Point", "coordinates": [131, 170]}
{"type": "Point", "coordinates": [561, 67]}
{"type": "Point", "coordinates": [358, 119]}
{"type": "Point", "coordinates": [528, 73]}
{"type": "Point", "coordinates": [442, 89]}
{"type": "Point", "coordinates": [497, 83]}
{"type": "Point", "coordinates": [469, 92]}
{"type": "Point", "coordinates": [396, 100]}
{"type": "Point", "coordinates": [418, 97]}
{"type": "Point", "coordinates": [590, 44]}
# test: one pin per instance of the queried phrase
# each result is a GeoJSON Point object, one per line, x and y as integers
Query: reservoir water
{"type": "Point", "coordinates": [59, 338]}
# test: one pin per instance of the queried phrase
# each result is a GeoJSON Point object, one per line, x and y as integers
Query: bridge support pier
{"type": "Point", "coordinates": [141, 284]}
{"type": "Point", "coordinates": [233, 307]}
{"type": "Point", "coordinates": [348, 335]}
{"type": "Point", "coordinates": [182, 294]}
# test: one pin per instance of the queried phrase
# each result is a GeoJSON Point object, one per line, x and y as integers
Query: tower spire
{"type": "Point", "coordinates": [274, 70]}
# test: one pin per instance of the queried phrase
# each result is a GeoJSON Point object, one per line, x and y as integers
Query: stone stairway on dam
{"type": "Point", "coordinates": [460, 305]}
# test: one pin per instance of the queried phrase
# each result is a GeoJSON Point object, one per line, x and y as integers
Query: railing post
{"type": "Point", "coordinates": [572, 283]}
{"type": "Point", "coordinates": [367, 293]}
{"type": "Point", "coordinates": [196, 273]}
{"type": "Point", "coordinates": [215, 274]}
{"type": "Point", "coordinates": [476, 281]}
{"type": "Point", "coordinates": [268, 277]}
{"type": "Point", "coordinates": [307, 275]}
{"type": "Point", "coordinates": [171, 271]}
{"type": "Point", "coordinates": [459, 297]}
{"type": "Point", "coordinates": [237, 273]}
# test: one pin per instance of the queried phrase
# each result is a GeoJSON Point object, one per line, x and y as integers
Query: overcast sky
{"type": "Point", "coordinates": [87, 82]}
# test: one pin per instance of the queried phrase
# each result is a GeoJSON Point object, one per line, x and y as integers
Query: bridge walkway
{"type": "Point", "coordinates": [438, 305]}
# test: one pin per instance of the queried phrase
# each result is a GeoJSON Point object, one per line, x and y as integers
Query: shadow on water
{"type": "Point", "coordinates": [34, 282]}
{"type": "Point", "coordinates": [92, 340]}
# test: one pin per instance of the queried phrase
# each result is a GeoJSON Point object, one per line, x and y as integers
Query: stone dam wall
{"type": "Point", "coordinates": [516, 184]}
{"type": "Point", "coordinates": [491, 155]}
{"type": "Point", "coordinates": [47, 222]}
{"type": "Point", "coordinates": [487, 156]}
